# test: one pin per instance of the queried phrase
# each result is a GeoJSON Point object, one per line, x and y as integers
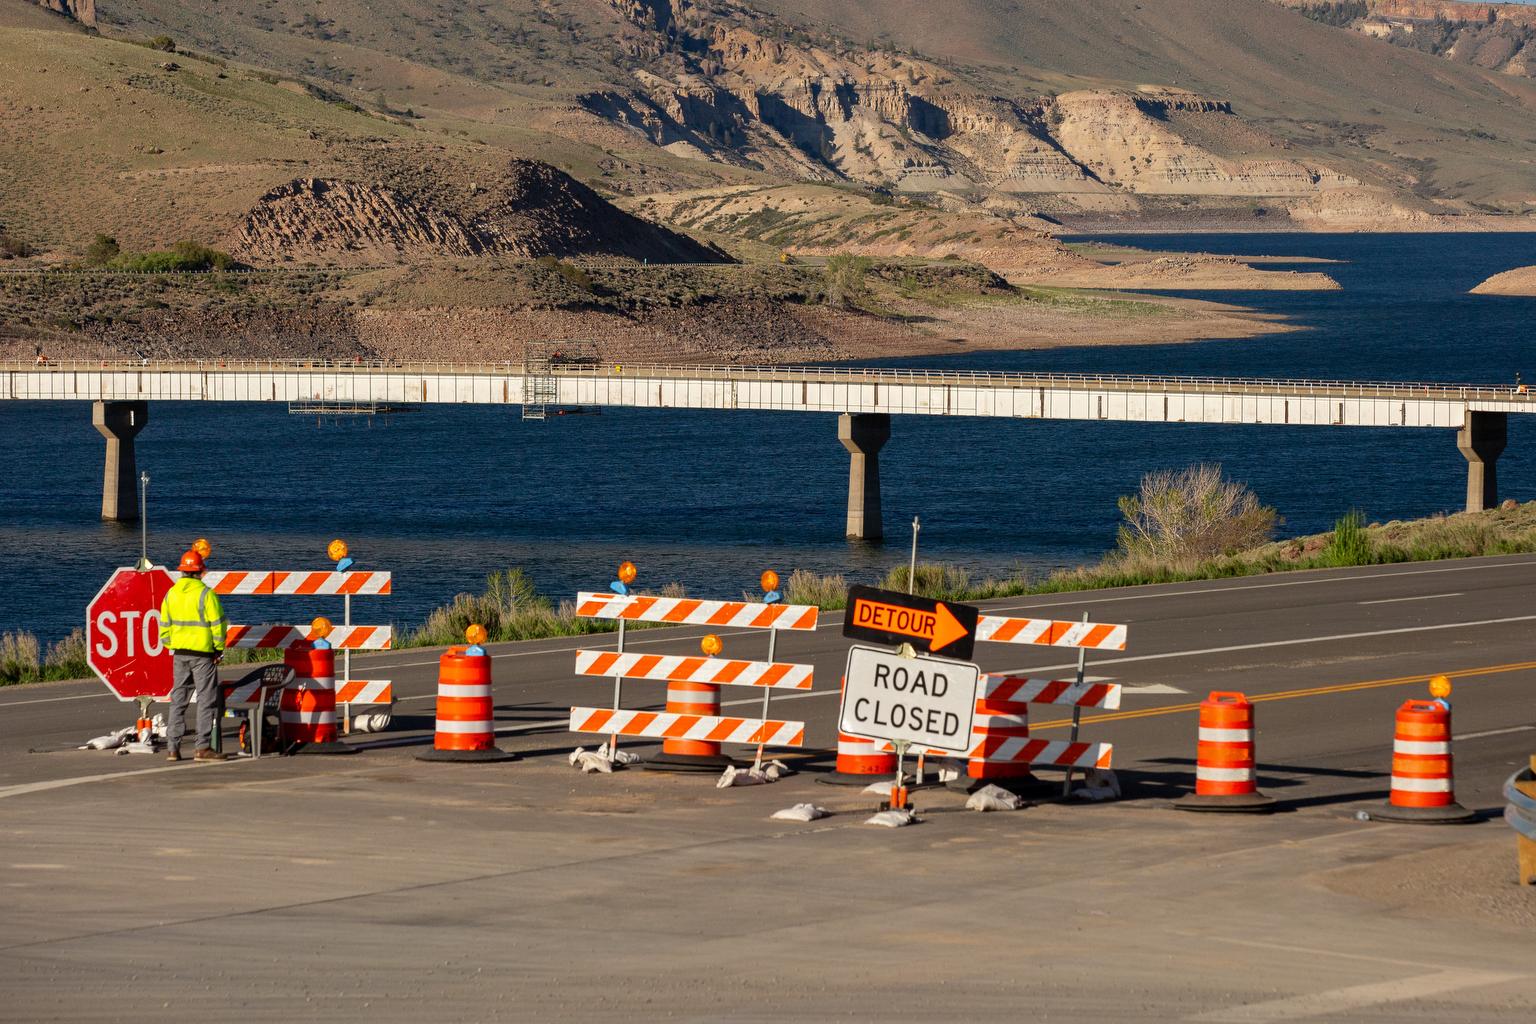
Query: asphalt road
{"type": "Point", "coordinates": [1329, 655]}
{"type": "Point", "coordinates": [376, 887]}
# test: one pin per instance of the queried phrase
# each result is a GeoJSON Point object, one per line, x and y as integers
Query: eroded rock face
{"type": "Point", "coordinates": [1497, 36]}
{"type": "Point", "coordinates": [532, 210]}
{"type": "Point", "coordinates": [726, 91]}
{"type": "Point", "coordinates": [83, 11]}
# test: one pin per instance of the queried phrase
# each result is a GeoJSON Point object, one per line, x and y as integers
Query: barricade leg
{"type": "Point", "coordinates": [466, 728]}
{"type": "Point", "coordinates": [1423, 790]}
{"type": "Point", "coordinates": [1224, 759]}
{"type": "Point", "coordinates": [679, 755]}
{"type": "Point", "coordinates": [859, 761]}
{"type": "Point", "coordinates": [307, 708]}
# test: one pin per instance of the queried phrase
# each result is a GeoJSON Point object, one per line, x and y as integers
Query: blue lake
{"type": "Point", "coordinates": [447, 494]}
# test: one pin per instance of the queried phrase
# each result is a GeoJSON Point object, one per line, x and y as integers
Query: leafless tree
{"type": "Point", "coordinates": [1193, 514]}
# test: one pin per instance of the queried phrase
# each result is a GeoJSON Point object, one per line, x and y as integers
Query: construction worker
{"type": "Point", "coordinates": [192, 625]}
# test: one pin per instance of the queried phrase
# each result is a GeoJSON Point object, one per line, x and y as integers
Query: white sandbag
{"type": "Point", "coordinates": [802, 812]}
{"type": "Point", "coordinates": [773, 771]}
{"type": "Point", "coordinates": [893, 819]}
{"type": "Point", "coordinates": [376, 721]}
{"type": "Point", "coordinates": [1101, 784]}
{"type": "Point", "coordinates": [137, 747]}
{"type": "Point", "coordinates": [733, 776]}
{"type": "Point", "coordinates": [111, 741]}
{"type": "Point", "coordinates": [994, 798]}
{"type": "Point", "coordinates": [623, 757]}
{"type": "Point", "coordinates": [589, 761]}
{"type": "Point", "coordinates": [878, 789]}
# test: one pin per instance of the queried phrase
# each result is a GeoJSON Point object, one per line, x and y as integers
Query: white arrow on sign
{"type": "Point", "coordinates": [925, 701]}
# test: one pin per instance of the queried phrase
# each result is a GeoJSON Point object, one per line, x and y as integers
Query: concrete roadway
{"type": "Point", "coordinates": [527, 891]}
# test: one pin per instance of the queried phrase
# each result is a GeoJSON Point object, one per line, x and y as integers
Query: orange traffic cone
{"type": "Point", "coordinates": [307, 707]}
{"type": "Point", "coordinates": [859, 761]}
{"type": "Point", "coordinates": [1423, 785]}
{"type": "Point", "coordinates": [466, 729]}
{"type": "Point", "coordinates": [1224, 773]}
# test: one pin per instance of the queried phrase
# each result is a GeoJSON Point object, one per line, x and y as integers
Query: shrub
{"type": "Point", "coordinates": [844, 280]}
{"type": "Point", "coordinates": [952, 583]}
{"type": "Point", "coordinates": [18, 658]}
{"type": "Point", "coordinates": [1189, 516]}
{"type": "Point", "coordinates": [806, 587]}
{"type": "Point", "coordinates": [1349, 545]}
{"type": "Point", "coordinates": [66, 658]}
{"type": "Point", "coordinates": [183, 257]}
{"type": "Point", "coordinates": [12, 247]}
{"type": "Point", "coordinates": [102, 250]}
{"type": "Point", "coordinates": [165, 43]}
{"type": "Point", "coordinates": [572, 273]}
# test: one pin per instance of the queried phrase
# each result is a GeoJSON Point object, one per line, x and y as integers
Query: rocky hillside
{"type": "Point", "coordinates": [531, 210]}
{"type": "Point", "coordinates": [1241, 107]}
{"type": "Point", "coordinates": [1499, 37]}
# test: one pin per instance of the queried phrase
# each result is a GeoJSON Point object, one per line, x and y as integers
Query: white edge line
{"type": "Point", "coordinates": [1421, 597]}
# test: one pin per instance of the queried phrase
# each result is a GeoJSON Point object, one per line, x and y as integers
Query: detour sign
{"type": "Point", "coordinates": [927, 702]}
{"type": "Point", "coordinates": [888, 617]}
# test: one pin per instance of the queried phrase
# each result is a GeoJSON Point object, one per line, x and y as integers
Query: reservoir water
{"type": "Point", "coordinates": [445, 495]}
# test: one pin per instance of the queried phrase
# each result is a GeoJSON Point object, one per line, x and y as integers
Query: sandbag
{"type": "Point", "coordinates": [893, 819]}
{"type": "Point", "coordinates": [994, 798]}
{"type": "Point", "coordinates": [802, 812]}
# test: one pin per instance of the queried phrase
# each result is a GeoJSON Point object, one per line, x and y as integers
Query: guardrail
{"type": "Point", "coordinates": [819, 374]}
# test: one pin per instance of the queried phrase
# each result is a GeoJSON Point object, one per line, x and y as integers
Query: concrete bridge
{"type": "Point", "coordinates": [864, 398]}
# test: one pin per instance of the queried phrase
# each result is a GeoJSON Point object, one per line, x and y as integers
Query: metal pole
{"type": "Point", "coordinates": [143, 522]}
{"type": "Point", "coordinates": [618, 683]}
{"type": "Point", "coordinates": [773, 637]}
{"type": "Point", "coordinates": [1077, 713]}
{"type": "Point", "coordinates": [346, 664]}
{"type": "Point", "coordinates": [901, 753]}
{"type": "Point", "coordinates": [912, 565]}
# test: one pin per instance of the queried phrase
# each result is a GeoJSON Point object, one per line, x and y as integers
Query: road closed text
{"type": "Point", "coordinates": [924, 701]}
{"type": "Point", "coordinates": [890, 710]}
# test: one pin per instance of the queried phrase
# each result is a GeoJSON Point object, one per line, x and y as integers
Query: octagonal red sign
{"type": "Point", "coordinates": [122, 634]}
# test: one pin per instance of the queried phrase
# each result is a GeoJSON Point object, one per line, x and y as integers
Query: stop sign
{"type": "Point", "coordinates": [122, 634]}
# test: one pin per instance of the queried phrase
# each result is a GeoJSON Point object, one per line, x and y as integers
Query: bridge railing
{"type": "Point", "coordinates": [815, 374]}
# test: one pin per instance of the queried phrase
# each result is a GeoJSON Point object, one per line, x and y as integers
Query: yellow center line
{"type": "Point", "coordinates": [1316, 691]}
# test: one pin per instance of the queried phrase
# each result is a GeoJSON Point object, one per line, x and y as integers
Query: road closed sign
{"type": "Point", "coordinates": [927, 702]}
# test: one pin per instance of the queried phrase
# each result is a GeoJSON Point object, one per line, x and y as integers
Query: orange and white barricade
{"type": "Point", "coordinates": [692, 730]}
{"type": "Point", "coordinates": [1423, 779]}
{"type": "Point", "coordinates": [1004, 751]}
{"type": "Point", "coordinates": [466, 726]}
{"type": "Point", "coordinates": [345, 637]}
{"type": "Point", "coordinates": [1225, 774]}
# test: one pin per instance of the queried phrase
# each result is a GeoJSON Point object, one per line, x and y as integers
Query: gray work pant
{"type": "Point", "coordinates": [189, 672]}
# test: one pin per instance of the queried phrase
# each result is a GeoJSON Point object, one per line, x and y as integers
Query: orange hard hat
{"type": "Point", "coordinates": [191, 562]}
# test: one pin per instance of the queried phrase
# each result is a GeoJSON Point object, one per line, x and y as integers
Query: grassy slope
{"type": "Point", "coordinates": [1321, 88]}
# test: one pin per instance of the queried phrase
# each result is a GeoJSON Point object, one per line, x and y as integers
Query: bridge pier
{"type": "Point", "coordinates": [1482, 440]}
{"type": "Point", "coordinates": [863, 434]}
{"type": "Point", "coordinates": [120, 423]}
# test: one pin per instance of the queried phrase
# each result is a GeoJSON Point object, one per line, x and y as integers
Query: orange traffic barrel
{"type": "Point", "coordinates": [1224, 760]}
{"type": "Point", "coordinates": [1423, 785]}
{"type": "Point", "coordinates": [466, 728]}
{"type": "Point", "coordinates": [859, 761]}
{"type": "Point", "coordinates": [307, 707]}
{"type": "Point", "coordinates": [680, 755]}
{"type": "Point", "coordinates": [996, 723]}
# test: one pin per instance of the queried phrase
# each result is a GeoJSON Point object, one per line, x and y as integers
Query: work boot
{"type": "Point", "coordinates": [173, 754]}
{"type": "Point", "coordinates": [210, 755]}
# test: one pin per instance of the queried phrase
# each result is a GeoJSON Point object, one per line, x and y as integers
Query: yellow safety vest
{"type": "Point", "coordinates": [191, 618]}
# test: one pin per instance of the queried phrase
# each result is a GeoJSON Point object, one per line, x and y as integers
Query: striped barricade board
{"type": "Point", "coordinates": [1024, 749]}
{"type": "Point", "coordinates": [686, 610]}
{"type": "Point", "coordinates": [1025, 690]}
{"type": "Point", "coordinates": [356, 691]}
{"type": "Point", "coordinates": [670, 726]}
{"type": "Point", "coordinates": [240, 581]}
{"type": "Point", "coordinates": [1051, 632]}
{"type": "Point", "coordinates": [678, 668]}
{"type": "Point", "coordinates": [355, 638]}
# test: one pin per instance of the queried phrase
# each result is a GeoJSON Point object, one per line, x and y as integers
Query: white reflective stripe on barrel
{"type": "Point", "coordinates": [1208, 735]}
{"type": "Point", "coordinates": [1223, 774]}
{"type": "Point", "coordinates": [703, 698]}
{"type": "Point", "coordinates": [1410, 785]}
{"type": "Point", "coordinates": [449, 725]}
{"type": "Point", "coordinates": [463, 689]}
{"type": "Point", "coordinates": [1420, 747]}
{"type": "Point", "coordinates": [325, 717]}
